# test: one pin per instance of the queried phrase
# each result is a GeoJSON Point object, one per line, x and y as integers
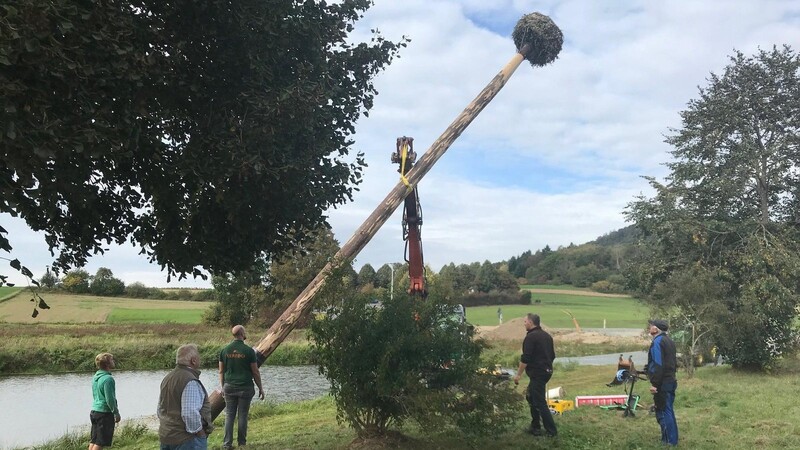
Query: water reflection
{"type": "Point", "coordinates": [35, 409]}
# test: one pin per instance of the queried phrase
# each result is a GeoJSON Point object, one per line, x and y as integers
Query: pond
{"type": "Point", "coordinates": [38, 408]}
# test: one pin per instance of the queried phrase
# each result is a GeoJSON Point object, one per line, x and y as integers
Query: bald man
{"type": "Point", "coordinates": [238, 369]}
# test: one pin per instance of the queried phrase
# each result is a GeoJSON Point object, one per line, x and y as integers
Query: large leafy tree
{"type": "Point", "coordinates": [208, 132]}
{"type": "Point", "coordinates": [729, 210]}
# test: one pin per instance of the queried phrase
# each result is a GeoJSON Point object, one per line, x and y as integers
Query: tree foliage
{"type": "Point", "coordinates": [104, 283]}
{"type": "Point", "coordinates": [263, 293]}
{"type": "Point", "coordinates": [208, 132]}
{"type": "Point", "coordinates": [730, 209]}
{"type": "Point", "coordinates": [76, 281]}
{"type": "Point", "coordinates": [407, 362]}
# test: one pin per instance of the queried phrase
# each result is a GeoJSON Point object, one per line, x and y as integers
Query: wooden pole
{"type": "Point", "coordinates": [303, 303]}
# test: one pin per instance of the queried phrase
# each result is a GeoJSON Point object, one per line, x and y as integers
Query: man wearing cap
{"type": "Point", "coordinates": [661, 365]}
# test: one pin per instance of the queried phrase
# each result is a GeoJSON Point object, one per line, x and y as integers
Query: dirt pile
{"type": "Point", "coordinates": [514, 330]}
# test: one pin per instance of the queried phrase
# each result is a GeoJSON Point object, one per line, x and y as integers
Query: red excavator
{"type": "Point", "coordinates": [412, 219]}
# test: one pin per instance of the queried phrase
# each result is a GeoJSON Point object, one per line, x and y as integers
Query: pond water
{"type": "Point", "coordinates": [38, 408]}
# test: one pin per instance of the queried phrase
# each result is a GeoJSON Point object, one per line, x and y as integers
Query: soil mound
{"type": "Point", "coordinates": [514, 330]}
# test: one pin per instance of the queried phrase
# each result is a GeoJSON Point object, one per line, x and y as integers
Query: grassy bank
{"type": "Point", "coordinates": [53, 348]}
{"type": "Point", "coordinates": [718, 408]}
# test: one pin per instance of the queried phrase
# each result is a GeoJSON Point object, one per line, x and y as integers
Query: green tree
{"type": "Point", "coordinates": [408, 362]}
{"type": "Point", "coordinates": [207, 132]}
{"type": "Point", "coordinates": [367, 275]}
{"type": "Point", "coordinates": [104, 283]}
{"type": "Point", "coordinates": [76, 281]}
{"type": "Point", "coordinates": [49, 280]}
{"type": "Point", "coordinates": [238, 297]}
{"type": "Point", "coordinates": [383, 276]}
{"type": "Point", "coordinates": [730, 208]}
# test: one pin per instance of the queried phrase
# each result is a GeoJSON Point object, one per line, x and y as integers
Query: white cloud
{"type": "Point", "coordinates": [558, 153]}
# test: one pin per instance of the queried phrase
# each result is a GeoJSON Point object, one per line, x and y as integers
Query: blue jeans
{"type": "Point", "coordinates": [197, 443]}
{"type": "Point", "coordinates": [237, 401]}
{"type": "Point", "coordinates": [664, 400]}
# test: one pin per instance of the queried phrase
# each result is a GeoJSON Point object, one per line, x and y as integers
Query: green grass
{"type": "Point", "coordinates": [72, 347]}
{"type": "Point", "coordinates": [717, 409]}
{"type": "Point", "coordinates": [125, 315]}
{"type": "Point", "coordinates": [618, 312]}
{"type": "Point", "coordinates": [8, 292]}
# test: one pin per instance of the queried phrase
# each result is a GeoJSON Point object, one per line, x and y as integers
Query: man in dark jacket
{"type": "Point", "coordinates": [537, 362]}
{"type": "Point", "coordinates": [661, 365]}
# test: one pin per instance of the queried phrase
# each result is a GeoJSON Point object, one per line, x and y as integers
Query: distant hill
{"type": "Point", "coordinates": [598, 264]}
{"type": "Point", "coordinates": [627, 235]}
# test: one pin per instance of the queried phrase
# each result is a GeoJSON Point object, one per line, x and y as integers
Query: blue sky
{"type": "Point", "coordinates": [558, 153]}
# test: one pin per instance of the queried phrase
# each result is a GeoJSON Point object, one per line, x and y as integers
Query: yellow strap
{"type": "Point", "coordinates": [403, 155]}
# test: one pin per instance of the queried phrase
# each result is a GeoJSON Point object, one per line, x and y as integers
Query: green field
{"type": "Point", "coordinates": [73, 308]}
{"type": "Point", "coordinates": [590, 311]}
{"type": "Point", "coordinates": [7, 292]}
{"type": "Point", "coordinates": [127, 315]}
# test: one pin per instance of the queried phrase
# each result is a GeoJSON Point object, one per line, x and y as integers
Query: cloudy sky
{"type": "Point", "coordinates": [560, 151]}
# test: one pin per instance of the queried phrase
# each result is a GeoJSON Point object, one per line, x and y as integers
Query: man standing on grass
{"type": "Point", "coordinates": [184, 413]}
{"type": "Point", "coordinates": [537, 358]}
{"type": "Point", "coordinates": [238, 368]}
{"type": "Point", "coordinates": [105, 412]}
{"type": "Point", "coordinates": [661, 365]}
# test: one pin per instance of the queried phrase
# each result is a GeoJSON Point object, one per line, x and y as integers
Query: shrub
{"type": "Point", "coordinates": [407, 361]}
{"type": "Point", "coordinates": [137, 290]}
{"type": "Point", "coordinates": [496, 298]}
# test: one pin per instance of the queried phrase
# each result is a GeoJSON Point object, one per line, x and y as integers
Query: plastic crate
{"type": "Point", "coordinates": [600, 400]}
{"type": "Point", "coordinates": [559, 406]}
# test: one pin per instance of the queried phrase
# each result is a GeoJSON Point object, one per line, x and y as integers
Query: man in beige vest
{"type": "Point", "coordinates": [183, 410]}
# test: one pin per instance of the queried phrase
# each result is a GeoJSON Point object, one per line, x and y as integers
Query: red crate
{"type": "Point", "coordinates": [600, 400]}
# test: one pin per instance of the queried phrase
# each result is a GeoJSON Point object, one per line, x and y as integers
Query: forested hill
{"type": "Point", "coordinates": [627, 235]}
{"type": "Point", "coordinates": [597, 264]}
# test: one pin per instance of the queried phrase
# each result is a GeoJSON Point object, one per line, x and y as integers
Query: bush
{"type": "Point", "coordinates": [407, 361]}
{"type": "Point", "coordinates": [205, 295]}
{"type": "Point", "coordinates": [137, 290]}
{"type": "Point", "coordinates": [496, 298]}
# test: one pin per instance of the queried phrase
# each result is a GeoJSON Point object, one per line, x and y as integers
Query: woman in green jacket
{"type": "Point", "coordinates": [105, 413]}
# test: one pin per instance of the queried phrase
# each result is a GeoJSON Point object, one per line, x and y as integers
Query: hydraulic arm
{"type": "Point", "coordinates": [412, 218]}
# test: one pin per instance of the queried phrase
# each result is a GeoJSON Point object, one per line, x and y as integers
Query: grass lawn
{"type": "Point", "coordinates": [717, 409]}
{"type": "Point", "coordinates": [618, 312]}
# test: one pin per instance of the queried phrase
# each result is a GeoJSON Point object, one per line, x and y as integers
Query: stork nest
{"type": "Point", "coordinates": [543, 37]}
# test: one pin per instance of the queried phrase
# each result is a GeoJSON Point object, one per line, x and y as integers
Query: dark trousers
{"type": "Point", "coordinates": [664, 399]}
{"type": "Point", "coordinates": [540, 412]}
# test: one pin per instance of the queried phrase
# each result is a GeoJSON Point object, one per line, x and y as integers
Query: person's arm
{"type": "Point", "coordinates": [257, 379]}
{"type": "Point", "coordinates": [110, 394]}
{"type": "Point", "coordinates": [520, 371]}
{"type": "Point", "coordinates": [191, 402]}
{"type": "Point", "coordinates": [221, 374]}
{"type": "Point", "coordinates": [656, 365]}
{"type": "Point", "coordinates": [524, 359]}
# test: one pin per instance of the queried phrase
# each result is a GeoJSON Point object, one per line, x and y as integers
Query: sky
{"type": "Point", "coordinates": [556, 156]}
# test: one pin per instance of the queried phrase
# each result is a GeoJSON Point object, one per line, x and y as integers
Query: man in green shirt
{"type": "Point", "coordinates": [238, 368]}
{"type": "Point", "coordinates": [105, 413]}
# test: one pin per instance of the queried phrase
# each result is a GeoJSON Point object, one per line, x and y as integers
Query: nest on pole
{"type": "Point", "coordinates": [538, 39]}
